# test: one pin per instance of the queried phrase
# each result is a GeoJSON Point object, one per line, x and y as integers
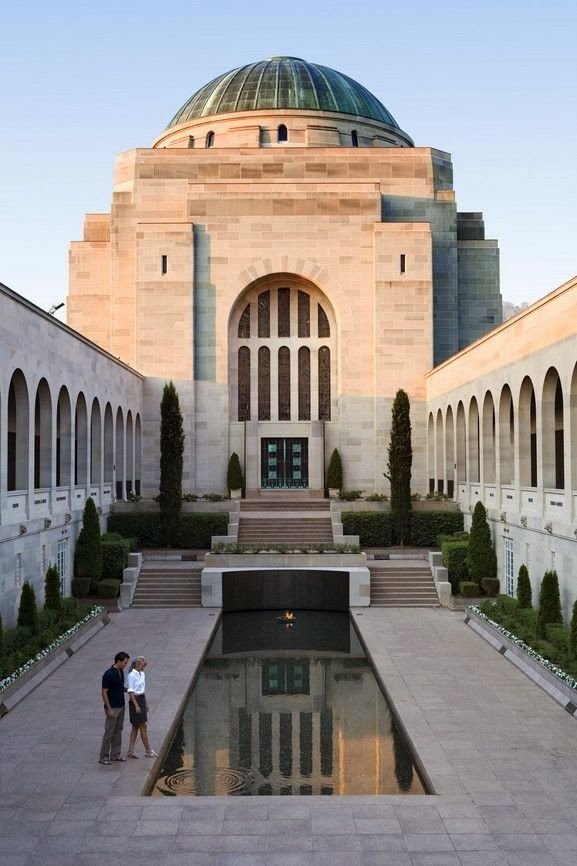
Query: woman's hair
{"type": "Point", "coordinates": [135, 661]}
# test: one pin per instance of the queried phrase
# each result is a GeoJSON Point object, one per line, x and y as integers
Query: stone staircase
{"type": "Point", "coordinates": [402, 583]}
{"type": "Point", "coordinates": [168, 583]}
{"type": "Point", "coordinates": [285, 521]}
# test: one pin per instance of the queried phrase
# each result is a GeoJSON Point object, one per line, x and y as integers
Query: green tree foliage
{"type": "Point", "coordinates": [234, 479]}
{"type": "Point", "coordinates": [399, 466]}
{"type": "Point", "coordinates": [52, 598]}
{"type": "Point", "coordinates": [27, 611]}
{"type": "Point", "coordinates": [572, 633]}
{"type": "Point", "coordinates": [335, 472]}
{"type": "Point", "coordinates": [171, 451]}
{"type": "Point", "coordinates": [88, 551]}
{"type": "Point", "coordinates": [549, 603]}
{"type": "Point", "coordinates": [524, 594]}
{"type": "Point", "coordinates": [481, 559]}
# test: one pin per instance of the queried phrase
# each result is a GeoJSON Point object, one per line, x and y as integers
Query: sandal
{"type": "Point", "coordinates": [131, 755]}
{"type": "Point", "coordinates": [151, 754]}
{"type": "Point", "coordinates": [104, 761]}
{"type": "Point", "coordinates": [120, 758]}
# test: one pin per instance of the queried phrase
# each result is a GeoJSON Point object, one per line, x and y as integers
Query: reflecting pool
{"type": "Point", "coordinates": [287, 706]}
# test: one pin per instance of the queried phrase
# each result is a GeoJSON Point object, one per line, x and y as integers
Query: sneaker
{"type": "Point", "coordinates": [151, 754]}
{"type": "Point", "coordinates": [131, 755]}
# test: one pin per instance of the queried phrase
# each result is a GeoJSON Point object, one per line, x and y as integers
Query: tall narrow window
{"type": "Point", "coordinates": [210, 139]}
{"type": "Point", "coordinates": [244, 324]}
{"type": "Point", "coordinates": [304, 384]}
{"type": "Point", "coordinates": [264, 384]}
{"type": "Point", "coordinates": [324, 383]}
{"type": "Point", "coordinates": [284, 312]}
{"type": "Point", "coordinates": [164, 264]}
{"type": "Point", "coordinates": [354, 138]}
{"type": "Point", "coordinates": [324, 328]}
{"type": "Point", "coordinates": [403, 263]}
{"type": "Point", "coordinates": [264, 314]}
{"type": "Point", "coordinates": [244, 384]}
{"type": "Point", "coordinates": [304, 314]}
{"type": "Point", "coordinates": [284, 384]}
{"type": "Point", "coordinates": [282, 133]}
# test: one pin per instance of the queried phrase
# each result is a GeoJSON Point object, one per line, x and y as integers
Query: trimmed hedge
{"type": "Point", "coordinates": [109, 588]}
{"type": "Point", "coordinates": [469, 589]}
{"type": "Point", "coordinates": [455, 561]}
{"type": "Point", "coordinates": [375, 528]}
{"type": "Point", "coordinates": [195, 530]}
{"type": "Point", "coordinates": [80, 586]}
{"type": "Point", "coordinates": [114, 556]}
{"type": "Point", "coordinates": [490, 586]}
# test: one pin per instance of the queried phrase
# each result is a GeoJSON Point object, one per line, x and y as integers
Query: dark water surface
{"type": "Point", "coordinates": [292, 710]}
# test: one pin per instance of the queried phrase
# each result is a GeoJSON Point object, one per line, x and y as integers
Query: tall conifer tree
{"type": "Point", "coordinates": [171, 451]}
{"type": "Point", "coordinates": [399, 466]}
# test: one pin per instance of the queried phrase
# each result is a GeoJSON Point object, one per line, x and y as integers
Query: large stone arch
{"type": "Point", "coordinates": [18, 432]}
{"type": "Point", "coordinates": [488, 439]}
{"type": "Point", "coordinates": [553, 434]}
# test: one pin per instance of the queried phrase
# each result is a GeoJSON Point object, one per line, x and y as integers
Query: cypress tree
{"type": "Point", "coordinates": [88, 550]}
{"type": "Point", "coordinates": [335, 472]}
{"type": "Point", "coordinates": [52, 598]}
{"type": "Point", "coordinates": [573, 633]}
{"type": "Point", "coordinates": [27, 612]}
{"type": "Point", "coordinates": [171, 451]}
{"type": "Point", "coordinates": [399, 466]}
{"type": "Point", "coordinates": [481, 558]}
{"type": "Point", "coordinates": [234, 479]}
{"type": "Point", "coordinates": [549, 603]}
{"type": "Point", "coordinates": [524, 594]}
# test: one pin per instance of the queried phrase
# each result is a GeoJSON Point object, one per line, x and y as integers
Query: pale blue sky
{"type": "Point", "coordinates": [493, 83]}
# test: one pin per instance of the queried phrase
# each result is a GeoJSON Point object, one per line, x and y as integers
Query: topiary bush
{"type": "Point", "coordinates": [109, 588]}
{"type": "Point", "coordinates": [374, 528]}
{"type": "Point", "coordinates": [52, 597]}
{"type": "Point", "coordinates": [549, 603]}
{"type": "Point", "coordinates": [27, 610]}
{"type": "Point", "coordinates": [335, 471]}
{"type": "Point", "coordinates": [114, 556]}
{"type": "Point", "coordinates": [481, 560]}
{"type": "Point", "coordinates": [469, 589]}
{"type": "Point", "coordinates": [88, 550]}
{"type": "Point", "coordinates": [490, 586]}
{"type": "Point", "coordinates": [455, 561]}
{"type": "Point", "coordinates": [194, 530]}
{"type": "Point", "coordinates": [234, 477]}
{"type": "Point", "coordinates": [524, 593]}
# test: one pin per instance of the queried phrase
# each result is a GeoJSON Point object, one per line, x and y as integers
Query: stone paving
{"type": "Point", "coordinates": [501, 755]}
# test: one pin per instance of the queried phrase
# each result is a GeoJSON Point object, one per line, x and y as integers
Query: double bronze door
{"type": "Point", "coordinates": [284, 463]}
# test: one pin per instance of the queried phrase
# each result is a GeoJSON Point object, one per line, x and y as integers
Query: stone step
{"type": "Point", "coordinates": [161, 587]}
{"type": "Point", "coordinates": [284, 505]}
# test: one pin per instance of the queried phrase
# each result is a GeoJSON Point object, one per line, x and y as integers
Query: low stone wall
{"type": "Point", "coordinates": [544, 678]}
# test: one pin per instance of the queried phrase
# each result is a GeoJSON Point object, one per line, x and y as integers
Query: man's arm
{"type": "Point", "coordinates": [106, 702]}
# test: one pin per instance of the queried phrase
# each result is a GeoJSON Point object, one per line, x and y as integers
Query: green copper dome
{"type": "Point", "coordinates": [283, 83]}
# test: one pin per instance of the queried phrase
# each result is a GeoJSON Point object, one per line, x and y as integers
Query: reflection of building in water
{"type": "Point", "coordinates": [306, 725]}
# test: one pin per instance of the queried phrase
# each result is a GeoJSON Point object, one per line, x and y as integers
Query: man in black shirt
{"type": "Point", "coordinates": [113, 698]}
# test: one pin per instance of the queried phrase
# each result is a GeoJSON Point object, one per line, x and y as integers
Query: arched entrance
{"type": "Point", "coordinates": [282, 375]}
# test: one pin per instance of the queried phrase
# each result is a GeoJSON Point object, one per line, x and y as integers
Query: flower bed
{"type": "Point", "coordinates": [560, 685]}
{"type": "Point", "coordinates": [36, 669]}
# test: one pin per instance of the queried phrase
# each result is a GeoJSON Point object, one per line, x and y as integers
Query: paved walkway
{"type": "Point", "coordinates": [501, 755]}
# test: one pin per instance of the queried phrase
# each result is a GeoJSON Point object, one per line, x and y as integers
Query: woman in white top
{"type": "Point", "coordinates": [138, 708]}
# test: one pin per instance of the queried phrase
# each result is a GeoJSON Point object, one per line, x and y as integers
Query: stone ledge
{"type": "Point", "coordinates": [41, 670]}
{"type": "Point", "coordinates": [555, 688]}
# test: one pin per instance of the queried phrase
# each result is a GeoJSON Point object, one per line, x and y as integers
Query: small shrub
{"type": "Point", "coordinates": [109, 588]}
{"type": "Point", "coordinates": [455, 561]}
{"type": "Point", "coordinates": [187, 497]}
{"type": "Point", "coordinates": [506, 604]}
{"type": "Point", "coordinates": [490, 586]}
{"type": "Point", "coordinates": [335, 472]}
{"type": "Point", "coordinates": [214, 497]}
{"type": "Point", "coordinates": [376, 497]}
{"type": "Point", "coordinates": [482, 560]}
{"type": "Point", "coordinates": [80, 586]}
{"type": "Point", "coordinates": [437, 496]}
{"type": "Point", "coordinates": [549, 603]}
{"type": "Point", "coordinates": [234, 479]}
{"type": "Point", "coordinates": [47, 619]}
{"type": "Point", "coordinates": [573, 633]}
{"type": "Point", "coordinates": [558, 636]}
{"type": "Point", "coordinates": [524, 594]}
{"type": "Point", "coordinates": [52, 598]}
{"type": "Point", "coordinates": [350, 495]}
{"type": "Point", "coordinates": [27, 611]}
{"type": "Point", "coordinates": [469, 589]}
